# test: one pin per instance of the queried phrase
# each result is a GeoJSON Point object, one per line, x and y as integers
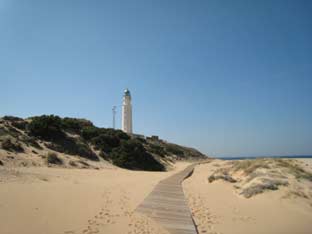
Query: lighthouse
{"type": "Point", "coordinates": [126, 124]}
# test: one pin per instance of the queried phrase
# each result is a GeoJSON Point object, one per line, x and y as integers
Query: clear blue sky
{"type": "Point", "coordinates": [227, 77]}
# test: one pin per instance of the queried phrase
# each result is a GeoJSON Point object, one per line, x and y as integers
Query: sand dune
{"type": "Point", "coordinates": [217, 208]}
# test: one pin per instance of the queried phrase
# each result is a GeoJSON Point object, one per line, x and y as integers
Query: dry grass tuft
{"type": "Point", "coordinates": [258, 175]}
{"type": "Point", "coordinates": [221, 174]}
{"type": "Point", "coordinates": [294, 169]}
{"type": "Point", "coordinates": [261, 186]}
{"type": "Point", "coordinates": [249, 166]}
{"type": "Point", "coordinates": [12, 145]}
{"type": "Point", "coordinates": [52, 158]}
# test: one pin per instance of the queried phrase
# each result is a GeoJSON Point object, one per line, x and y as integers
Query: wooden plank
{"type": "Point", "coordinates": [167, 205]}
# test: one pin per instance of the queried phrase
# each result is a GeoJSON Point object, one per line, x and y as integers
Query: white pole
{"type": "Point", "coordinates": [114, 114]}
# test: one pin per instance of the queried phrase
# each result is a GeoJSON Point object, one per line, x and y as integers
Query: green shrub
{"type": "Point", "coordinates": [156, 149]}
{"type": "Point", "coordinates": [104, 139]}
{"type": "Point", "coordinates": [106, 142]}
{"type": "Point", "coordinates": [20, 125]}
{"type": "Point", "coordinates": [142, 140]}
{"type": "Point", "coordinates": [47, 127]}
{"type": "Point", "coordinates": [54, 159]}
{"type": "Point", "coordinates": [12, 118]}
{"type": "Point", "coordinates": [75, 125]}
{"type": "Point", "coordinates": [10, 145]}
{"type": "Point", "coordinates": [90, 132]}
{"type": "Point", "coordinates": [174, 149]}
{"type": "Point", "coordinates": [72, 146]}
{"type": "Point", "coordinates": [118, 133]}
{"type": "Point", "coordinates": [132, 155]}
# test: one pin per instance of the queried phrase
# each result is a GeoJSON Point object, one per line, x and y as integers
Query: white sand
{"type": "Point", "coordinates": [218, 209]}
{"type": "Point", "coordinates": [39, 200]}
{"type": "Point", "coordinates": [53, 200]}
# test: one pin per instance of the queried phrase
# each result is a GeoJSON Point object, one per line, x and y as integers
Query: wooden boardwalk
{"type": "Point", "coordinates": [167, 205]}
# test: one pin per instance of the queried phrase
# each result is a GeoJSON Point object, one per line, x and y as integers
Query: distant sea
{"type": "Point", "coordinates": [241, 158]}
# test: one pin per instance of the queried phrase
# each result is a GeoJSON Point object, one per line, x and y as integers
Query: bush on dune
{"type": "Point", "coordinates": [12, 118]}
{"type": "Point", "coordinates": [132, 155]}
{"type": "Point", "coordinates": [157, 149]}
{"type": "Point", "coordinates": [47, 127]}
{"type": "Point", "coordinates": [75, 125]}
{"type": "Point", "coordinates": [52, 128]}
{"type": "Point", "coordinates": [174, 149]}
{"type": "Point", "coordinates": [90, 132]}
{"type": "Point", "coordinates": [54, 159]}
{"type": "Point", "coordinates": [11, 145]}
{"type": "Point", "coordinates": [104, 139]}
{"type": "Point", "coordinates": [72, 146]}
{"type": "Point", "coordinates": [106, 142]}
{"type": "Point", "coordinates": [20, 124]}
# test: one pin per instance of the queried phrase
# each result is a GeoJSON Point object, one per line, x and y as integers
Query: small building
{"type": "Point", "coordinates": [138, 136]}
{"type": "Point", "coordinates": [153, 138]}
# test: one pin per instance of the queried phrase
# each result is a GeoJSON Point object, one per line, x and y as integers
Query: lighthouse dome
{"type": "Point", "coordinates": [127, 92]}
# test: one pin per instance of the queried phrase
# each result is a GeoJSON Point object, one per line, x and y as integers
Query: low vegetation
{"type": "Point", "coordinates": [46, 127]}
{"type": "Point", "coordinates": [132, 155]}
{"type": "Point", "coordinates": [52, 158]}
{"type": "Point", "coordinates": [295, 169]}
{"type": "Point", "coordinates": [72, 146]}
{"type": "Point", "coordinates": [79, 137]}
{"type": "Point", "coordinates": [157, 149]}
{"type": "Point", "coordinates": [12, 145]}
{"type": "Point", "coordinates": [75, 125]}
{"type": "Point", "coordinates": [255, 176]}
{"type": "Point", "coordinates": [262, 185]}
{"type": "Point", "coordinates": [249, 166]}
{"type": "Point", "coordinates": [30, 141]}
{"type": "Point", "coordinates": [221, 174]}
{"type": "Point", "coordinates": [174, 149]}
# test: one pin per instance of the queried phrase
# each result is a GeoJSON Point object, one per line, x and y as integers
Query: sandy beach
{"type": "Point", "coordinates": [56, 200]}
{"type": "Point", "coordinates": [38, 200]}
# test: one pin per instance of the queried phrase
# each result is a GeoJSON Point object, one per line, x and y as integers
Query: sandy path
{"type": "Point", "coordinates": [49, 200]}
{"type": "Point", "coordinates": [217, 209]}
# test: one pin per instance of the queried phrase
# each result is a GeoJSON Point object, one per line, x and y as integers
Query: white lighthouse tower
{"type": "Point", "coordinates": [126, 124]}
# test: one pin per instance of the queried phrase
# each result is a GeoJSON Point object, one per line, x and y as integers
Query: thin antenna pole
{"type": "Point", "coordinates": [114, 115]}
